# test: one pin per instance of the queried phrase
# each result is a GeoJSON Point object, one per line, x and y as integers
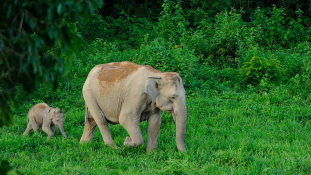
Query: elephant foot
{"type": "Point", "coordinates": [150, 149]}
{"type": "Point", "coordinates": [114, 146]}
{"type": "Point", "coordinates": [127, 141]}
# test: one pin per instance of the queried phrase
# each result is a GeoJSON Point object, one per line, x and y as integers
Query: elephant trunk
{"type": "Point", "coordinates": [60, 126]}
{"type": "Point", "coordinates": [180, 117]}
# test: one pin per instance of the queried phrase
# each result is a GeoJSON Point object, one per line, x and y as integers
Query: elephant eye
{"type": "Point", "coordinates": [173, 97]}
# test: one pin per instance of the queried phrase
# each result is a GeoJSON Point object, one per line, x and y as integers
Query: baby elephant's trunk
{"type": "Point", "coordinates": [60, 126]}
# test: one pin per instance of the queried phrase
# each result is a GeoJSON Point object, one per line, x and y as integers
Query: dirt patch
{"type": "Point", "coordinates": [91, 72]}
{"type": "Point", "coordinates": [114, 72]}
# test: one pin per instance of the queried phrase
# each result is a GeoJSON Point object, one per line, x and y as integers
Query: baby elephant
{"type": "Point", "coordinates": [41, 115]}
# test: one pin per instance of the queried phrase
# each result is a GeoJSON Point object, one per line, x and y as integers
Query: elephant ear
{"type": "Point", "coordinates": [151, 87]}
{"type": "Point", "coordinates": [51, 112]}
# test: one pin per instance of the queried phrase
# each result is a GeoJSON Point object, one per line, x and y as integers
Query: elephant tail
{"type": "Point", "coordinates": [88, 116]}
{"type": "Point", "coordinates": [86, 112]}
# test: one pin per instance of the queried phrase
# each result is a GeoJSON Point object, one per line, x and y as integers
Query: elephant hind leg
{"type": "Point", "coordinates": [93, 111]}
{"type": "Point", "coordinates": [34, 124]}
{"type": "Point", "coordinates": [89, 127]}
{"type": "Point", "coordinates": [29, 128]}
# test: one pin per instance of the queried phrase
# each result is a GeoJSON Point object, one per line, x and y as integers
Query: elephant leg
{"type": "Point", "coordinates": [29, 128]}
{"type": "Point", "coordinates": [48, 131]}
{"type": "Point", "coordinates": [53, 128]}
{"type": "Point", "coordinates": [154, 123]}
{"type": "Point", "coordinates": [89, 127]}
{"type": "Point", "coordinates": [99, 118]}
{"type": "Point", "coordinates": [131, 124]}
{"type": "Point", "coordinates": [34, 124]}
{"type": "Point", "coordinates": [104, 130]}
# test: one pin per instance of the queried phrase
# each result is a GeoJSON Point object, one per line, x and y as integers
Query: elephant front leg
{"type": "Point", "coordinates": [135, 139]}
{"type": "Point", "coordinates": [154, 123]}
{"type": "Point", "coordinates": [29, 128]}
{"type": "Point", "coordinates": [47, 129]}
{"type": "Point", "coordinates": [131, 124]}
{"type": "Point", "coordinates": [127, 141]}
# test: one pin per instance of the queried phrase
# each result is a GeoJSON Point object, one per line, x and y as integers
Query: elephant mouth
{"type": "Point", "coordinates": [168, 111]}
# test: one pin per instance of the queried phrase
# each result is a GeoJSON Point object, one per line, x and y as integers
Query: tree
{"type": "Point", "coordinates": [29, 32]}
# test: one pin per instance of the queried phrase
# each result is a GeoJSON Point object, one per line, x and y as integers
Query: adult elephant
{"type": "Point", "coordinates": [126, 93]}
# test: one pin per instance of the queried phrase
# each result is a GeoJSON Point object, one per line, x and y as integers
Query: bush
{"type": "Point", "coordinates": [127, 31]}
{"type": "Point", "coordinates": [302, 82]}
{"type": "Point", "coordinates": [163, 57]}
{"type": "Point", "coordinates": [223, 35]}
{"type": "Point", "coordinates": [172, 23]}
{"type": "Point", "coordinates": [277, 29]}
{"type": "Point", "coordinates": [259, 65]}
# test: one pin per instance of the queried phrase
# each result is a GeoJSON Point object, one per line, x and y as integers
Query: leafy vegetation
{"type": "Point", "coordinates": [246, 66]}
{"type": "Point", "coordinates": [30, 32]}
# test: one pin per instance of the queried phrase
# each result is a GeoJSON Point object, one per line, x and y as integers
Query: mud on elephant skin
{"type": "Point", "coordinates": [41, 115]}
{"type": "Point", "coordinates": [126, 93]}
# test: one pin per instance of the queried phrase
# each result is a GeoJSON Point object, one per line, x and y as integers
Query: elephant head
{"type": "Point", "coordinates": [168, 94]}
{"type": "Point", "coordinates": [57, 118]}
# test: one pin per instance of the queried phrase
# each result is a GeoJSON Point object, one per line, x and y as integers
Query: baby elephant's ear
{"type": "Point", "coordinates": [50, 113]}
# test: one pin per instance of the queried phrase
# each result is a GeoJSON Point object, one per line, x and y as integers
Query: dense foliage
{"type": "Point", "coordinates": [270, 43]}
{"type": "Point", "coordinates": [29, 30]}
{"type": "Point", "coordinates": [246, 66]}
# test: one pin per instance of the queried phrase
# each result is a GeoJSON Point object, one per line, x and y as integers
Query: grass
{"type": "Point", "coordinates": [254, 130]}
{"type": "Point", "coordinates": [227, 133]}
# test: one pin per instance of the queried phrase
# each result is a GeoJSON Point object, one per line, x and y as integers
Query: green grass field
{"type": "Point", "coordinates": [247, 74]}
{"type": "Point", "coordinates": [227, 133]}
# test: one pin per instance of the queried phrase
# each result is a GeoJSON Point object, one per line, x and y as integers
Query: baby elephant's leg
{"type": "Point", "coordinates": [53, 128]}
{"type": "Point", "coordinates": [48, 131]}
{"type": "Point", "coordinates": [29, 128]}
{"type": "Point", "coordinates": [34, 124]}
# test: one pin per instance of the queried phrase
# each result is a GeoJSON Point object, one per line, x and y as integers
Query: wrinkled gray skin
{"type": "Point", "coordinates": [126, 93]}
{"type": "Point", "coordinates": [41, 115]}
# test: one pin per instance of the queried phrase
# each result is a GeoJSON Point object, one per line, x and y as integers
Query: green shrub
{"type": "Point", "coordinates": [127, 31]}
{"type": "Point", "coordinates": [293, 59]}
{"type": "Point", "coordinates": [272, 25]}
{"type": "Point", "coordinates": [258, 65]}
{"type": "Point", "coordinates": [303, 81]}
{"type": "Point", "coordinates": [219, 39]}
{"type": "Point", "coordinates": [162, 56]}
{"type": "Point", "coordinates": [172, 23]}
{"type": "Point", "coordinates": [297, 32]}
{"type": "Point", "coordinates": [277, 29]}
